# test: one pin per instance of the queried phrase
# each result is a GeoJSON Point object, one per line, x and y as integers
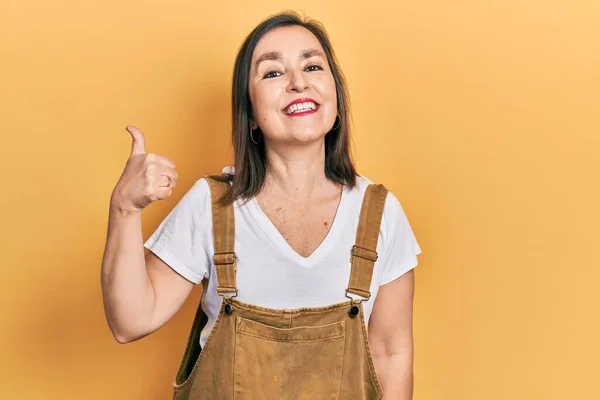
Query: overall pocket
{"type": "Point", "coordinates": [292, 363]}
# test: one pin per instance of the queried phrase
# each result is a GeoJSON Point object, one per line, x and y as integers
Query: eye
{"type": "Point", "coordinates": [271, 74]}
{"type": "Point", "coordinates": [314, 68]}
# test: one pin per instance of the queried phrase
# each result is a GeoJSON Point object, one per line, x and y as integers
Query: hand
{"type": "Point", "coordinates": [147, 177]}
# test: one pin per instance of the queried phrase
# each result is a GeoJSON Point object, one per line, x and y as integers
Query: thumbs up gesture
{"type": "Point", "coordinates": [147, 177]}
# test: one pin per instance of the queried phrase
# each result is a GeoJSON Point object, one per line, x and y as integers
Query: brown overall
{"type": "Point", "coordinates": [260, 353]}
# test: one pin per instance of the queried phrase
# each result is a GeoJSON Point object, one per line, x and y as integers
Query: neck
{"type": "Point", "coordinates": [297, 172]}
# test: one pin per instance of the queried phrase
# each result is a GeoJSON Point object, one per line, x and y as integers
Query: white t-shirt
{"type": "Point", "coordinates": [269, 272]}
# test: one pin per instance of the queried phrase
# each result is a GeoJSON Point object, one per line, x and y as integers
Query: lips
{"type": "Point", "coordinates": [301, 106]}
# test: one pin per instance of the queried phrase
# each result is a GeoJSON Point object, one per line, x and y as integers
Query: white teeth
{"type": "Point", "coordinates": [300, 107]}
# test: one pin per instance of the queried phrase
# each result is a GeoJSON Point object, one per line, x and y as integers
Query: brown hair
{"type": "Point", "coordinates": [250, 158]}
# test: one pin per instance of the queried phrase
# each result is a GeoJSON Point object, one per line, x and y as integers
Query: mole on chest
{"type": "Point", "coordinates": [303, 231]}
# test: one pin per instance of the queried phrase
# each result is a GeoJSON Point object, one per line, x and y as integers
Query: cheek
{"type": "Point", "coordinates": [263, 103]}
{"type": "Point", "coordinates": [332, 90]}
{"type": "Point", "coordinates": [328, 91]}
{"type": "Point", "coordinates": [255, 102]}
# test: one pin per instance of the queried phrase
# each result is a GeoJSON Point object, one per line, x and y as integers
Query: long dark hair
{"type": "Point", "coordinates": [250, 158]}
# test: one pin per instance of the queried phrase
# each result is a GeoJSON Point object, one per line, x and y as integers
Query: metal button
{"type": "Point", "coordinates": [353, 311]}
{"type": "Point", "coordinates": [228, 309]}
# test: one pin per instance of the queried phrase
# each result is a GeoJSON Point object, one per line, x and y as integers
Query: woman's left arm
{"type": "Point", "coordinates": [391, 337]}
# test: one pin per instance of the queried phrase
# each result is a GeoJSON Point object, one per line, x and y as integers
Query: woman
{"type": "Point", "coordinates": [301, 259]}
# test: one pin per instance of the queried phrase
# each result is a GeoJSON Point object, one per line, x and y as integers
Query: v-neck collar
{"type": "Point", "coordinates": [276, 239]}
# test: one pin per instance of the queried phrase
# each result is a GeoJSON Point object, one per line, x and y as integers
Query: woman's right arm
{"type": "Point", "coordinates": [140, 293]}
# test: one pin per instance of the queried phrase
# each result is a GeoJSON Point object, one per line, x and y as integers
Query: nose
{"type": "Point", "coordinates": [297, 82]}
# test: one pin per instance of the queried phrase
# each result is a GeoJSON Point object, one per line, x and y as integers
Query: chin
{"type": "Point", "coordinates": [299, 135]}
{"type": "Point", "coordinates": [308, 136]}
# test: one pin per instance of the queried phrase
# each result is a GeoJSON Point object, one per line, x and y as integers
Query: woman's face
{"type": "Point", "coordinates": [292, 90]}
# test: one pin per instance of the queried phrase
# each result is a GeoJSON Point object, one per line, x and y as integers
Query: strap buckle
{"type": "Point", "coordinates": [226, 259]}
{"type": "Point", "coordinates": [365, 295]}
{"type": "Point", "coordinates": [368, 255]}
{"type": "Point", "coordinates": [222, 291]}
{"type": "Point", "coordinates": [364, 253]}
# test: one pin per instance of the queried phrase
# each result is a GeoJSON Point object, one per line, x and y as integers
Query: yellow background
{"type": "Point", "coordinates": [483, 117]}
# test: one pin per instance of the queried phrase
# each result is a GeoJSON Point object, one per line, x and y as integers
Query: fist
{"type": "Point", "coordinates": [147, 177]}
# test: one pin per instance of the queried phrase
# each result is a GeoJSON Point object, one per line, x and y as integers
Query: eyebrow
{"type": "Point", "coordinates": [276, 56]}
{"type": "Point", "coordinates": [306, 54]}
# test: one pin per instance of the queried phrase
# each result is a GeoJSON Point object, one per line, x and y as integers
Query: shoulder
{"type": "Point", "coordinates": [197, 198]}
{"type": "Point", "coordinates": [200, 190]}
{"type": "Point", "coordinates": [392, 203]}
{"type": "Point", "coordinates": [393, 213]}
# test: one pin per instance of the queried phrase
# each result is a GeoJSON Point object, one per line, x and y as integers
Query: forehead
{"type": "Point", "coordinates": [289, 40]}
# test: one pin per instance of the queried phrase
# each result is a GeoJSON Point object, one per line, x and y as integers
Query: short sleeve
{"type": "Point", "coordinates": [184, 238]}
{"type": "Point", "coordinates": [400, 247]}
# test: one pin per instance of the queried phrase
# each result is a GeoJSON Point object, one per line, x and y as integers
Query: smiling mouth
{"type": "Point", "coordinates": [301, 108]}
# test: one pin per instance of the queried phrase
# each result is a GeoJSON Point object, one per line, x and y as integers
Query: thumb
{"type": "Point", "coordinates": [138, 146]}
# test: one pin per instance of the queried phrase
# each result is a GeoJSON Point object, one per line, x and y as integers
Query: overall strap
{"type": "Point", "coordinates": [223, 224]}
{"type": "Point", "coordinates": [364, 251]}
